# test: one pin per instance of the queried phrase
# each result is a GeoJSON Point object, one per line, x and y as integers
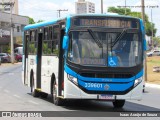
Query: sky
{"type": "Point", "coordinates": [47, 9]}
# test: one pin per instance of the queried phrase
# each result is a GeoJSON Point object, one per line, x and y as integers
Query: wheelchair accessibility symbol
{"type": "Point", "coordinates": [112, 61]}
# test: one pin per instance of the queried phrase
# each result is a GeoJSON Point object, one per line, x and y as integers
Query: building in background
{"type": "Point", "coordinates": [83, 6]}
{"type": "Point", "coordinates": [5, 8]}
{"type": "Point", "coordinates": [18, 24]}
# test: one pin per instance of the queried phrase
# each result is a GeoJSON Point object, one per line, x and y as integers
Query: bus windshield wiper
{"type": "Point", "coordinates": [98, 42]}
{"type": "Point", "coordinates": [119, 37]}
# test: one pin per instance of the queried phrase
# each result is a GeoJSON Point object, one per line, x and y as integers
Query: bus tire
{"type": "Point", "coordinates": [57, 101]}
{"type": "Point", "coordinates": [34, 92]}
{"type": "Point", "coordinates": [44, 95]}
{"type": "Point", "coordinates": [118, 103]}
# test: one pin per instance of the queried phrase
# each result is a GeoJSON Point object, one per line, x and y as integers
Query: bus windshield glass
{"type": "Point", "coordinates": [112, 49]}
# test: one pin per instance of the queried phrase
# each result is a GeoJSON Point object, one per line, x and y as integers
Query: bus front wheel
{"type": "Point", "coordinates": [34, 92]}
{"type": "Point", "coordinates": [118, 103]}
{"type": "Point", "coordinates": [57, 101]}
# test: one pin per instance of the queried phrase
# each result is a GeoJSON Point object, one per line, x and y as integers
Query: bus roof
{"type": "Point", "coordinates": [46, 23]}
{"type": "Point", "coordinates": [104, 15]}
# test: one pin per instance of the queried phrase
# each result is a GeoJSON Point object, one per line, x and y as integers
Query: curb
{"type": "Point", "coordinates": [9, 64]}
{"type": "Point", "coordinates": [152, 85]}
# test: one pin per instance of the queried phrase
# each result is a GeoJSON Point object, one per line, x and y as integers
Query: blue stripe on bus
{"type": "Point", "coordinates": [74, 74]}
{"type": "Point", "coordinates": [69, 71]}
{"type": "Point", "coordinates": [143, 35]}
{"type": "Point", "coordinates": [68, 24]}
{"type": "Point", "coordinates": [28, 27]}
{"type": "Point", "coordinates": [105, 86]}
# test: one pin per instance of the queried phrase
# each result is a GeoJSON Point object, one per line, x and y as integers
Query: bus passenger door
{"type": "Point", "coordinates": [25, 58]}
{"type": "Point", "coordinates": [39, 60]}
{"type": "Point", "coordinates": [61, 65]}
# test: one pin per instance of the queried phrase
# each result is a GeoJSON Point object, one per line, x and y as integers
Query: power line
{"type": "Point", "coordinates": [59, 11]}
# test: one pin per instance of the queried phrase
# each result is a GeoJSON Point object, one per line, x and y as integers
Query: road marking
{"type": "Point", "coordinates": [33, 102]}
{"type": "Point", "coordinates": [6, 91]}
{"type": "Point", "coordinates": [16, 96]}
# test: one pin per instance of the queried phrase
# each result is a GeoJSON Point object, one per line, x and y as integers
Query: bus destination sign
{"type": "Point", "coordinates": [110, 22]}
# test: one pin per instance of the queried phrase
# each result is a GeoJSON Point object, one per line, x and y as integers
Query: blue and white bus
{"type": "Point", "coordinates": [89, 57]}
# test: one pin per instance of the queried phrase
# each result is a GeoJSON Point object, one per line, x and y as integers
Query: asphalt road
{"type": "Point", "coordinates": [14, 96]}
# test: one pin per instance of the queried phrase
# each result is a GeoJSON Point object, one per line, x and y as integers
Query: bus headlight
{"type": "Point", "coordinates": [137, 81]}
{"type": "Point", "coordinates": [72, 79]}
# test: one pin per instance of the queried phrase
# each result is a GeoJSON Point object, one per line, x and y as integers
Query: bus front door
{"type": "Point", "coordinates": [25, 60]}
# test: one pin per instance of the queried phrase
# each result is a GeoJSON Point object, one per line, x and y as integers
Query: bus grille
{"type": "Point", "coordinates": [106, 75]}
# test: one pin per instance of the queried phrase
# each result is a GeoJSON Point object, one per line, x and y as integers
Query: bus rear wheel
{"type": "Point", "coordinates": [44, 95]}
{"type": "Point", "coordinates": [34, 92]}
{"type": "Point", "coordinates": [57, 101]}
{"type": "Point", "coordinates": [118, 103]}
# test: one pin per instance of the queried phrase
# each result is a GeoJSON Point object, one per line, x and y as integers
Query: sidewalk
{"type": "Point", "coordinates": [152, 85]}
{"type": "Point", "coordinates": [9, 64]}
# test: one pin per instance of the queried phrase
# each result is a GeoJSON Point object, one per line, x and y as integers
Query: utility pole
{"type": "Point", "coordinates": [2, 6]}
{"type": "Point", "coordinates": [12, 42]}
{"type": "Point", "coordinates": [102, 6]}
{"type": "Point", "coordinates": [59, 11]}
{"type": "Point", "coordinates": [152, 29]}
{"type": "Point", "coordinates": [125, 7]}
{"type": "Point", "coordinates": [143, 18]}
{"type": "Point", "coordinates": [143, 11]}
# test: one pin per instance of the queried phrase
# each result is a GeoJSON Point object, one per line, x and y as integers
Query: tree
{"type": "Point", "coordinates": [120, 11]}
{"type": "Point", "coordinates": [148, 25]}
{"type": "Point", "coordinates": [40, 21]}
{"type": "Point", "coordinates": [31, 20]}
{"type": "Point", "coordinates": [156, 41]}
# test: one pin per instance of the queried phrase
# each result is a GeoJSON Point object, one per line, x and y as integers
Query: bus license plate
{"type": "Point", "coordinates": [106, 97]}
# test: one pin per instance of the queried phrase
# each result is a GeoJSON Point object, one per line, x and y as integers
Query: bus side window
{"type": "Point", "coordinates": [55, 40]}
{"type": "Point", "coordinates": [46, 33]}
{"type": "Point", "coordinates": [33, 43]}
{"type": "Point", "coordinates": [50, 33]}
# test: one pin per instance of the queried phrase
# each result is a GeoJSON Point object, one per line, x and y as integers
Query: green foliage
{"type": "Point", "coordinates": [40, 21]}
{"type": "Point", "coordinates": [120, 11]}
{"type": "Point", "coordinates": [7, 49]}
{"type": "Point", "coordinates": [148, 25]}
{"type": "Point", "coordinates": [46, 49]}
{"type": "Point", "coordinates": [156, 41]}
{"type": "Point", "coordinates": [32, 49]}
{"type": "Point", "coordinates": [31, 20]}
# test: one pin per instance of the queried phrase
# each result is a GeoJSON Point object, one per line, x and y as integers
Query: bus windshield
{"type": "Point", "coordinates": [112, 49]}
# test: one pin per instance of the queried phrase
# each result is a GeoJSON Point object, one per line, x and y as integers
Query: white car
{"type": "Point", "coordinates": [153, 53]}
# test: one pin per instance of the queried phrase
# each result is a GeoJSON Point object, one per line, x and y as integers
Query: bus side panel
{"type": "Point", "coordinates": [31, 67]}
{"type": "Point", "coordinates": [49, 66]}
{"type": "Point", "coordinates": [24, 73]}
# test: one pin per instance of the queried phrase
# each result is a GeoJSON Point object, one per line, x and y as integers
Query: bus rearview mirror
{"type": "Point", "coordinates": [65, 42]}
